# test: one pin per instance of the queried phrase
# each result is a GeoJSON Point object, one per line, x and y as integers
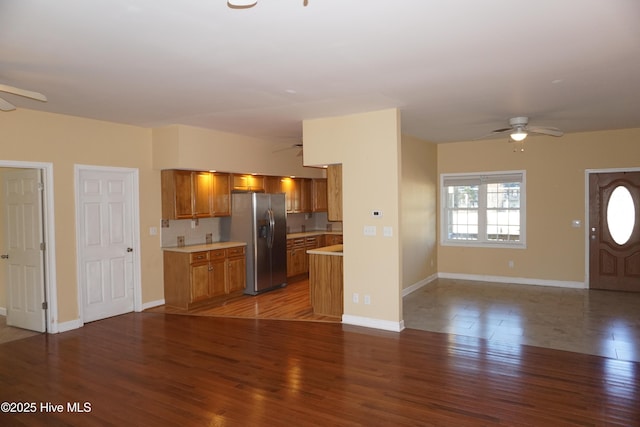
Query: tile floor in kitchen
{"type": "Point", "coordinates": [594, 322]}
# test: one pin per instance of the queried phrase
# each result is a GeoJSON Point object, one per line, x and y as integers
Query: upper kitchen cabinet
{"type": "Point", "coordinates": [248, 182]}
{"type": "Point", "coordinates": [273, 184]}
{"type": "Point", "coordinates": [221, 196]}
{"type": "Point", "coordinates": [297, 194]}
{"type": "Point", "coordinates": [319, 195]}
{"type": "Point", "coordinates": [334, 193]}
{"type": "Point", "coordinates": [186, 194]}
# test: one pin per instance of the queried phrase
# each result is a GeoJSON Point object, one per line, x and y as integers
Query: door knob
{"type": "Point", "coordinates": [5, 256]}
{"type": "Point", "coordinates": [129, 249]}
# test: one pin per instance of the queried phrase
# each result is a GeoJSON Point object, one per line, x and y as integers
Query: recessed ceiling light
{"type": "Point", "coordinates": [556, 81]}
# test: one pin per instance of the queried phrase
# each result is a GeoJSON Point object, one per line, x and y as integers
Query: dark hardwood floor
{"type": "Point", "coordinates": [156, 369]}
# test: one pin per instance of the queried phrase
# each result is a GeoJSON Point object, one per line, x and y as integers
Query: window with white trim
{"type": "Point", "coordinates": [483, 209]}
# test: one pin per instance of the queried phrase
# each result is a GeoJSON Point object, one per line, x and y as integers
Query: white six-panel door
{"type": "Point", "coordinates": [106, 242]}
{"type": "Point", "coordinates": [23, 253]}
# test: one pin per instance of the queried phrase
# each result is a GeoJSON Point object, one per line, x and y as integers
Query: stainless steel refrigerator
{"type": "Point", "coordinates": [260, 220]}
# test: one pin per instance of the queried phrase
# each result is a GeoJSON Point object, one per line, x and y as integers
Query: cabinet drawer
{"type": "Point", "coordinates": [311, 242]}
{"type": "Point", "coordinates": [217, 254]}
{"type": "Point", "coordinates": [199, 256]}
{"type": "Point", "coordinates": [233, 252]}
{"type": "Point", "coordinates": [298, 243]}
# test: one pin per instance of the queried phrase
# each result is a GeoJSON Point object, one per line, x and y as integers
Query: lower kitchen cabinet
{"type": "Point", "coordinates": [236, 270]}
{"type": "Point", "coordinates": [296, 257]}
{"type": "Point", "coordinates": [197, 278]}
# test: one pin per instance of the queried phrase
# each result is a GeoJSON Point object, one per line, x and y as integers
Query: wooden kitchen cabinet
{"type": "Point", "coordinates": [197, 278]}
{"type": "Point", "coordinates": [236, 270]}
{"type": "Point", "coordinates": [248, 182]}
{"type": "Point", "coordinates": [221, 196]}
{"type": "Point", "coordinates": [334, 192]}
{"type": "Point", "coordinates": [319, 195]}
{"type": "Point", "coordinates": [186, 194]}
{"type": "Point", "coordinates": [273, 184]}
{"type": "Point", "coordinates": [296, 257]}
{"type": "Point", "coordinates": [333, 239]}
{"type": "Point", "coordinates": [297, 194]}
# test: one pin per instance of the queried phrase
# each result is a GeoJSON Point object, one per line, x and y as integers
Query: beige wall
{"type": "Point", "coordinates": [65, 141]}
{"type": "Point", "coordinates": [176, 147]}
{"type": "Point", "coordinates": [368, 146]}
{"type": "Point", "coordinates": [418, 211]}
{"type": "Point", "coordinates": [555, 174]}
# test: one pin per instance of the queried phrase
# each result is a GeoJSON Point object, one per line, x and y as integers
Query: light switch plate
{"type": "Point", "coordinates": [369, 230]}
{"type": "Point", "coordinates": [387, 231]}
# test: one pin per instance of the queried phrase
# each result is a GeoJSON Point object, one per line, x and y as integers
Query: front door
{"type": "Point", "coordinates": [23, 249]}
{"type": "Point", "coordinates": [105, 242]}
{"type": "Point", "coordinates": [614, 231]}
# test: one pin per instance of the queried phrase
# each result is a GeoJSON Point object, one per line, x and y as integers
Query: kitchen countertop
{"type": "Point", "coordinates": [335, 250]}
{"type": "Point", "coordinates": [204, 247]}
{"type": "Point", "coordinates": [312, 233]}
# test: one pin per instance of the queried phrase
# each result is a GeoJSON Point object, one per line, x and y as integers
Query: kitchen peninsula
{"type": "Point", "coordinates": [326, 281]}
{"type": "Point", "coordinates": [199, 274]}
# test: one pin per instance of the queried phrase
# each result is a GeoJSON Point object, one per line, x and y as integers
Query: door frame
{"type": "Point", "coordinates": [587, 174]}
{"type": "Point", "coordinates": [48, 219]}
{"type": "Point", "coordinates": [135, 228]}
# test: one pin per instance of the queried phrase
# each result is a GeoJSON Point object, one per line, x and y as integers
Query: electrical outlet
{"type": "Point", "coordinates": [356, 298]}
{"type": "Point", "coordinates": [367, 299]}
{"type": "Point", "coordinates": [511, 264]}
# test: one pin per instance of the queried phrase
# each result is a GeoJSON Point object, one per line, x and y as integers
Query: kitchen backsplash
{"type": "Point", "coordinates": [316, 221]}
{"type": "Point", "coordinates": [195, 232]}
{"type": "Point", "coordinates": [193, 235]}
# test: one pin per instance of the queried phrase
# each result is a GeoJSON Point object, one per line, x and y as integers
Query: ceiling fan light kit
{"type": "Point", "coordinates": [518, 135]}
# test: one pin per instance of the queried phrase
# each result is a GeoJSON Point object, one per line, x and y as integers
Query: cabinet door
{"type": "Point", "coordinates": [288, 186]}
{"type": "Point", "coordinates": [202, 189]}
{"type": "Point", "coordinates": [319, 195]}
{"type": "Point", "coordinates": [236, 269]}
{"type": "Point", "coordinates": [199, 282]}
{"type": "Point", "coordinates": [272, 184]}
{"type": "Point", "coordinates": [334, 192]}
{"type": "Point", "coordinates": [221, 194]}
{"type": "Point", "coordinates": [217, 277]}
{"type": "Point", "coordinates": [182, 194]}
{"type": "Point", "coordinates": [306, 197]}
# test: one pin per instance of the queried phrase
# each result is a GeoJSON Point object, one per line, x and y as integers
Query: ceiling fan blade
{"type": "Point", "coordinates": [6, 106]}
{"type": "Point", "coordinates": [502, 130]}
{"type": "Point", "coordinates": [21, 92]}
{"type": "Point", "coordinates": [545, 131]}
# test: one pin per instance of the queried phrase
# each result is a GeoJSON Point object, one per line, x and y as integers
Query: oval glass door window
{"type": "Point", "coordinates": [621, 215]}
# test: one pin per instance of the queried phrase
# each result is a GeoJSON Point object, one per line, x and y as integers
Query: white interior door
{"type": "Point", "coordinates": [24, 245]}
{"type": "Point", "coordinates": [106, 242]}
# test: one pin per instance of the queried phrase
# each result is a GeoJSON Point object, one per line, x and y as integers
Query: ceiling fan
{"type": "Point", "coordinates": [291, 147]}
{"type": "Point", "coordinates": [519, 129]}
{"type": "Point", "coordinates": [7, 106]}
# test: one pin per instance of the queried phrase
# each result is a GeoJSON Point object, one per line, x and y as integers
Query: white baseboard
{"type": "Point", "coordinates": [151, 304]}
{"type": "Point", "coordinates": [367, 322]}
{"type": "Point", "coordinates": [514, 280]}
{"type": "Point", "coordinates": [3, 311]}
{"type": "Point", "coordinates": [418, 285]}
{"type": "Point", "coordinates": [70, 325]}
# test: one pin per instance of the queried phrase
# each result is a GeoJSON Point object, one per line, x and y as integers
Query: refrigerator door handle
{"type": "Point", "coordinates": [272, 226]}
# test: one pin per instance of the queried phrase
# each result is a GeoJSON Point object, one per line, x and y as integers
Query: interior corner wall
{"type": "Point", "coordinates": [418, 211]}
{"type": "Point", "coordinates": [368, 146]}
{"type": "Point", "coordinates": [555, 190]}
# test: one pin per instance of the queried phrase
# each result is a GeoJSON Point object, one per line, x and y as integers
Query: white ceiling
{"type": "Point", "coordinates": [457, 69]}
